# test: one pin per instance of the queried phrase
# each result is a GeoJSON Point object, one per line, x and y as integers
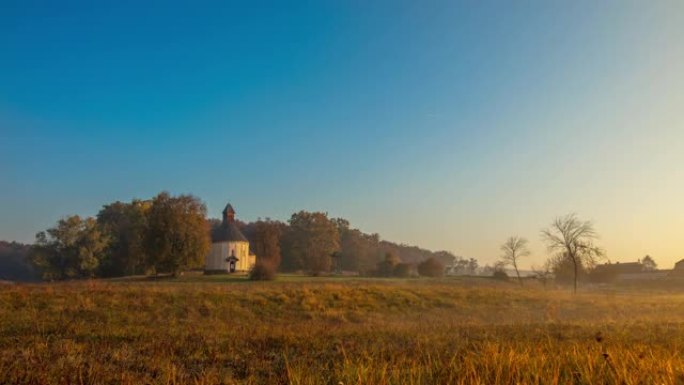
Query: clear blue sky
{"type": "Point", "coordinates": [446, 124]}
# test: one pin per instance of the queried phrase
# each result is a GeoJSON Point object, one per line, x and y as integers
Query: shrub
{"type": "Point", "coordinates": [500, 275]}
{"type": "Point", "coordinates": [262, 271]}
{"type": "Point", "coordinates": [431, 267]}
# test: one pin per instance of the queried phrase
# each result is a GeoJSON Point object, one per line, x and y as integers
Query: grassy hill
{"type": "Point", "coordinates": [330, 331]}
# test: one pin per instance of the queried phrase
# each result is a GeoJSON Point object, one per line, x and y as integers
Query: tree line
{"type": "Point", "coordinates": [166, 234]}
{"type": "Point", "coordinates": [171, 234]}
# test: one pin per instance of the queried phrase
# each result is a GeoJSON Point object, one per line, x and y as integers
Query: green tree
{"type": "Point", "coordinates": [575, 240]}
{"type": "Point", "coordinates": [177, 236]}
{"type": "Point", "coordinates": [125, 224]}
{"type": "Point", "coordinates": [71, 249]}
{"type": "Point", "coordinates": [311, 240]}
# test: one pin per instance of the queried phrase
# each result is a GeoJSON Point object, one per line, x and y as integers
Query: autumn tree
{"type": "Point", "coordinates": [574, 240]}
{"type": "Point", "coordinates": [387, 266]}
{"type": "Point", "coordinates": [71, 249]}
{"type": "Point", "coordinates": [264, 239]}
{"type": "Point", "coordinates": [431, 267]}
{"type": "Point", "coordinates": [358, 251]}
{"type": "Point", "coordinates": [125, 224]}
{"type": "Point", "coordinates": [177, 236]}
{"type": "Point", "coordinates": [513, 249]}
{"type": "Point", "coordinates": [310, 242]}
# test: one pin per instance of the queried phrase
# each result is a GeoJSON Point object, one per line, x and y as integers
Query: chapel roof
{"type": "Point", "coordinates": [228, 231]}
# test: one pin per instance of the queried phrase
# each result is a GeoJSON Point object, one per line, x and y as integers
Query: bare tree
{"type": "Point", "coordinates": [575, 239]}
{"type": "Point", "coordinates": [513, 249]}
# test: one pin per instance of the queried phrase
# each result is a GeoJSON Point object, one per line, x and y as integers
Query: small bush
{"type": "Point", "coordinates": [500, 275]}
{"type": "Point", "coordinates": [431, 267]}
{"type": "Point", "coordinates": [262, 271]}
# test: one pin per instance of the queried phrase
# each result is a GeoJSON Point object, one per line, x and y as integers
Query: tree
{"type": "Point", "coordinates": [447, 257]}
{"type": "Point", "coordinates": [499, 272]}
{"type": "Point", "coordinates": [264, 239]}
{"type": "Point", "coordinates": [563, 269]}
{"type": "Point", "coordinates": [71, 249]}
{"type": "Point", "coordinates": [387, 266]}
{"type": "Point", "coordinates": [402, 270]}
{"type": "Point", "coordinates": [574, 239]}
{"type": "Point", "coordinates": [513, 249]}
{"type": "Point", "coordinates": [177, 235]}
{"type": "Point", "coordinates": [472, 266]}
{"type": "Point", "coordinates": [310, 242]}
{"type": "Point", "coordinates": [431, 267]}
{"type": "Point", "coordinates": [649, 263]}
{"type": "Point", "coordinates": [457, 265]}
{"type": "Point", "coordinates": [358, 251]}
{"type": "Point", "coordinates": [125, 224]}
{"type": "Point", "coordinates": [15, 264]}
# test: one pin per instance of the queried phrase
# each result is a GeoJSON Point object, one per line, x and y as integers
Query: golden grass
{"type": "Point", "coordinates": [328, 332]}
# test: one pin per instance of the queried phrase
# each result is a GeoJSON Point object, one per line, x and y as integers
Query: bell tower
{"type": "Point", "coordinates": [228, 214]}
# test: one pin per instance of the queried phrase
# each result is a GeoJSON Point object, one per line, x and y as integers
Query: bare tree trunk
{"type": "Point", "coordinates": [515, 265]}
{"type": "Point", "coordinates": [574, 262]}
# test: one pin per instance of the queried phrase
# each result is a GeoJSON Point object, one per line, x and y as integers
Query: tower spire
{"type": "Point", "coordinates": [228, 214]}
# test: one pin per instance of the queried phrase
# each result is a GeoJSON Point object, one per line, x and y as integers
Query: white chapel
{"type": "Point", "coordinates": [229, 247]}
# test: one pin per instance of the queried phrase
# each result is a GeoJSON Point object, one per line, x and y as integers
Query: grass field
{"type": "Point", "coordinates": [331, 331]}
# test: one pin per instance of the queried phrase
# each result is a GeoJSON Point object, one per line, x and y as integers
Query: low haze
{"type": "Point", "coordinates": [430, 123]}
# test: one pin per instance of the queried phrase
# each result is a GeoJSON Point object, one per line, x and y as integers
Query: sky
{"type": "Point", "coordinates": [444, 124]}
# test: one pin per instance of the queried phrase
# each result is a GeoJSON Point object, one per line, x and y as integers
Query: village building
{"type": "Point", "coordinates": [229, 247]}
{"type": "Point", "coordinates": [627, 272]}
{"type": "Point", "coordinates": [678, 270]}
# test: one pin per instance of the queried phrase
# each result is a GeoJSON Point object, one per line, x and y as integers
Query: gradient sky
{"type": "Point", "coordinates": [450, 125]}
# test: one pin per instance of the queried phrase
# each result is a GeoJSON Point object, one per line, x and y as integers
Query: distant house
{"type": "Point", "coordinates": [229, 247]}
{"type": "Point", "coordinates": [649, 275]}
{"type": "Point", "coordinates": [627, 272]}
{"type": "Point", "coordinates": [626, 267]}
{"type": "Point", "coordinates": [611, 272]}
{"type": "Point", "coordinates": [678, 270]}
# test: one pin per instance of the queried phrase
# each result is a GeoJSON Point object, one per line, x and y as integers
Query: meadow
{"type": "Point", "coordinates": [220, 330]}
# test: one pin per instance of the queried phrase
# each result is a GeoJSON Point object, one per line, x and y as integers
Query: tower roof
{"type": "Point", "coordinates": [228, 209]}
{"type": "Point", "coordinates": [228, 231]}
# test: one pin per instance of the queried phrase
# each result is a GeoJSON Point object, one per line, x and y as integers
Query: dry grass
{"type": "Point", "coordinates": [328, 332]}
